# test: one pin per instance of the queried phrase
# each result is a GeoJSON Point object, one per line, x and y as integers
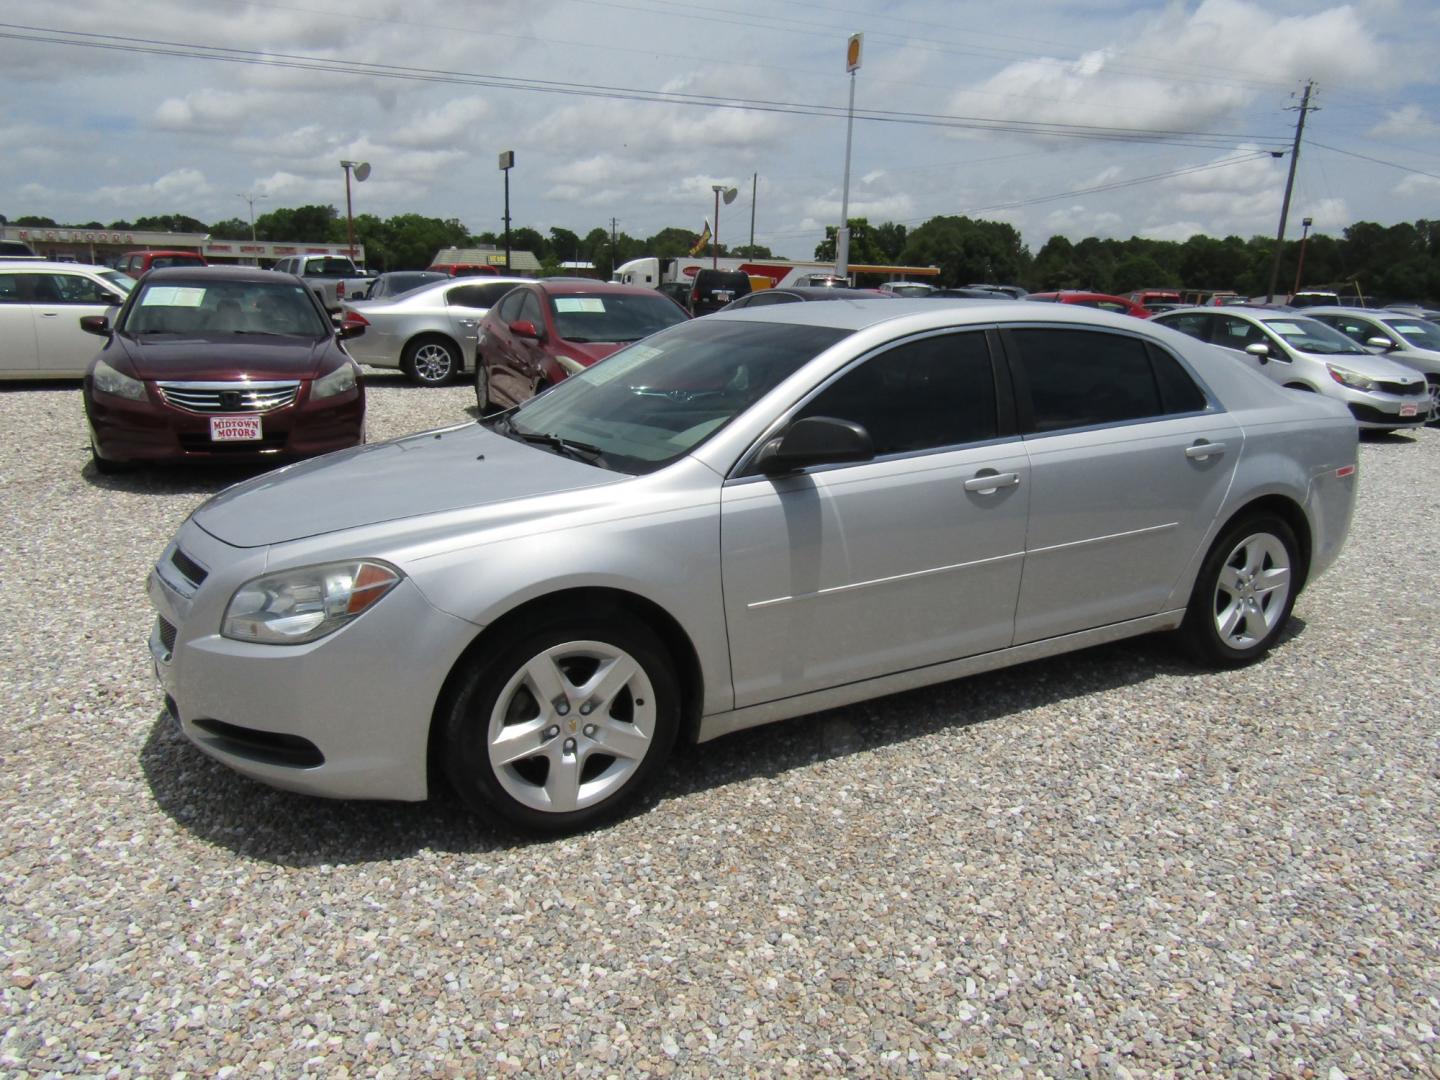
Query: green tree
{"type": "Point", "coordinates": [968, 250]}
{"type": "Point", "coordinates": [172, 223]}
{"type": "Point", "coordinates": [1138, 271]}
{"type": "Point", "coordinates": [307, 224]}
{"type": "Point", "coordinates": [230, 229]}
{"type": "Point", "coordinates": [564, 245]}
{"type": "Point", "coordinates": [671, 242]}
{"type": "Point", "coordinates": [756, 251]}
{"type": "Point", "coordinates": [863, 248]}
{"type": "Point", "coordinates": [890, 239]}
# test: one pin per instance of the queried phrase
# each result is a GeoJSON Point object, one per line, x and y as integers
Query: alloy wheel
{"type": "Point", "coordinates": [572, 726]}
{"type": "Point", "coordinates": [433, 363]}
{"type": "Point", "coordinates": [1252, 590]}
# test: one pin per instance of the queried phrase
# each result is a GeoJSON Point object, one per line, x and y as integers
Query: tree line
{"type": "Point", "coordinates": [1391, 262]}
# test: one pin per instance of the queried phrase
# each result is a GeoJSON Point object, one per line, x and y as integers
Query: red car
{"type": "Point", "coordinates": [537, 334]}
{"type": "Point", "coordinates": [1104, 301]}
{"type": "Point", "coordinates": [221, 364]}
{"type": "Point", "coordinates": [136, 263]}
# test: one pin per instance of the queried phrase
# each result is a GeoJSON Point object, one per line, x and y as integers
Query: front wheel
{"type": "Point", "coordinates": [562, 728]}
{"type": "Point", "coordinates": [431, 361]}
{"type": "Point", "coordinates": [1244, 593]}
{"type": "Point", "coordinates": [482, 387]}
{"type": "Point", "coordinates": [1433, 384]}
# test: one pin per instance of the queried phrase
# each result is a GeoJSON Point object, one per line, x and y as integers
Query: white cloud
{"type": "Point", "coordinates": [1406, 122]}
{"type": "Point", "coordinates": [1418, 185]}
{"type": "Point", "coordinates": [179, 188]}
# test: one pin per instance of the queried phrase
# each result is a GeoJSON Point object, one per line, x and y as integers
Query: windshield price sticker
{"type": "Point", "coordinates": [234, 428]}
{"type": "Point", "coordinates": [589, 304]}
{"type": "Point", "coordinates": [172, 296]}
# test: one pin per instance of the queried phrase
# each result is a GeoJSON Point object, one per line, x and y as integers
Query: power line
{"type": "Point", "coordinates": [1377, 161]}
{"type": "Point", "coordinates": [227, 54]}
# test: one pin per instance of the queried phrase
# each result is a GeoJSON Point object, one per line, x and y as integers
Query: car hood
{"type": "Point", "coordinates": [588, 352]}
{"type": "Point", "coordinates": [227, 356]}
{"type": "Point", "coordinates": [435, 471]}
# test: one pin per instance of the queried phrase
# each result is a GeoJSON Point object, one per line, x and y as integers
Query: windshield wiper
{"type": "Point", "coordinates": [579, 450]}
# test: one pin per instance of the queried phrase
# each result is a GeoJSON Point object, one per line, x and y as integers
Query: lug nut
{"type": "Point", "coordinates": [551, 732]}
{"type": "Point", "coordinates": [590, 730]}
{"type": "Point", "coordinates": [586, 709]}
{"type": "Point", "coordinates": [569, 746]}
{"type": "Point", "coordinates": [563, 709]}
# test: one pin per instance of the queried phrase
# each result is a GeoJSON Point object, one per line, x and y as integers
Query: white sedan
{"type": "Point", "coordinates": [41, 305]}
{"type": "Point", "coordinates": [428, 333]}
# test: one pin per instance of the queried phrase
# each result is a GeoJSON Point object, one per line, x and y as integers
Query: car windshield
{"type": "Point", "coordinates": [1420, 333]}
{"type": "Point", "coordinates": [1311, 336]}
{"type": "Point", "coordinates": [123, 282]}
{"type": "Point", "coordinates": [654, 402]}
{"type": "Point", "coordinates": [612, 316]}
{"type": "Point", "coordinates": [223, 307]}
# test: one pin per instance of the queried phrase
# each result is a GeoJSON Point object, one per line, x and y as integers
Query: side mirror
{"type": "Point", "coordinates": [1259, 350]}
{"type": "Point", "coordinates": [96, 324]}
{"type": "Point", "coordinates": [1378, 342]}
{"type": "Point", "coordinates": [526, 329]}
{"type": "Point", "coordinates": [815, 440]}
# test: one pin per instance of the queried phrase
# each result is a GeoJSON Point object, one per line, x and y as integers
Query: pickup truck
{"type": "Point", "coordinates": [333, 278]}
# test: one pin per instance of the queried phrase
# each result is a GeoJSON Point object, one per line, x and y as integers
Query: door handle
{"type": "Point", "coordinates": [1203, 449]}
{"type": "Point", "coordinates": [986, 482]}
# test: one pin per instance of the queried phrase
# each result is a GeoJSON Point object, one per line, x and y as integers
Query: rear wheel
{"type": "Point", "coordinates": [566, 725]}
{"type": "Point", "coordinates": [431, 361]}
{"type": "Point", "coordinates": [1244, 593]}
{"type": "Point", "coordinates": [482, 387]}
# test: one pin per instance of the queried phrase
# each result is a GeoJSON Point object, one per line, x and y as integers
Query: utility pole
{"type": "Point", "coordinates": [842, 235]}
{"type": "Point", "coordinates": [614, 244]}
{"type": "Point", "coordinates": [1304, 107]}
{"type": "Point", "coordinates": [507, 162]}
{"type": "Point", "coordinates": [754, 186]}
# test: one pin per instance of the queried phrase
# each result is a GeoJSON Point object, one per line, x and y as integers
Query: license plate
{"type": "Point", "coordinates": [1409, 410]}
{"type": "Point", "coordinates": [234, 428]}
{"type": "Point", "coordinates": [723, 294]}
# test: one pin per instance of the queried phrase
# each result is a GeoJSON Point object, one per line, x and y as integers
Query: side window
{"type": "Point", "coordinates": [937, 391]}
{"type": "Point", "coordinates": [530, 309]}
{"type": "Point", "coordinates": [1078, 378]}
{"type": "Point", "coordinates": [10, 289]}
{"type": "Point", "coordinates": [75, 289]}
{"type": "Point", "coordinates": [1178, 391]}
{"type": "Point", "coordinates": [471, 296]}
{"type": "Point", "coordinates": [510, 306]}
{"type": "Point", "coordinates": [1197, 326]}
{"type": "Point", "coordinates": [1236, 333]}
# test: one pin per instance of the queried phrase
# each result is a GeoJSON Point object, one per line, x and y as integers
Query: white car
{"type": "Point", "coordinates": [430, 332]}
{"type": "Point", "coordinates": [41, 305]}
{"type": "Point", "coordinates": [1402, 337]}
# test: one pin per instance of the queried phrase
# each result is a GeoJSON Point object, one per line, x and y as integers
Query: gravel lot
{"type": "Point", "coordinates": [1106, 863]}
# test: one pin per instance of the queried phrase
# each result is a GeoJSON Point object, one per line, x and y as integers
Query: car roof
{"type": "Point", "coordinates": [829, 292]}
{"type": "Point", "coordinates": [844, 313]}
{"type": "Point", "coordinates": [586, 285]}
{"type": "Point", "coordinates": [163, 251]}
{"type": "Point", "coordinates": [51, 264]}
{"type": "Point", "coordinates": [216, 273]}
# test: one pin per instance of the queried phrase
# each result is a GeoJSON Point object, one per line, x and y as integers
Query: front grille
{"type": "Point", "coordinates": [193, 571]}
{"type": "Point", "coordinates": [167, 635]}
{"type": "Point", "coordinates": [229, 397]}
{"type": "Point", "coordinates": [1403, 389]}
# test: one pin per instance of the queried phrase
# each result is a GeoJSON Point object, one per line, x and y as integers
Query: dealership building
{"type": "Point", "coordinates": [104, 246]}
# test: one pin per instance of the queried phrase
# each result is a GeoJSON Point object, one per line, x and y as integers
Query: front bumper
{"type": "Point", "coordinates": [152, 430]}
{"type": "Point", "coordinates": [347, 716]}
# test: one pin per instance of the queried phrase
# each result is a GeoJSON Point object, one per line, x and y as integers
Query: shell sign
{"type": "Point", "coordinates": [852, 53]}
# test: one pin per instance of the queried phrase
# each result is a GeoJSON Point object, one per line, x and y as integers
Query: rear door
{"type": "Point", "coordinates": [17, 327]}
{"type": "Point", "coordinates": [1130, 459]}
{"type": "Point", "coordinates": [466, 304]}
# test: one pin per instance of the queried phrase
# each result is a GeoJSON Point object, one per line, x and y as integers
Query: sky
{"type": "Point", "coordinates": [1096, 118]}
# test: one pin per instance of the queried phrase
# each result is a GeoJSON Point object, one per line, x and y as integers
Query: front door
{"type": "Point", "coordinates": [844, 573]}
{"type": "Point", "coordinates": [60, 299]}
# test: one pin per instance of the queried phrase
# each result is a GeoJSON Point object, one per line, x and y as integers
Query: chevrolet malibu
{"type": "Point", "coordinates": [737, 520]}
{"type": "Point", "coordinates": [220, 364]}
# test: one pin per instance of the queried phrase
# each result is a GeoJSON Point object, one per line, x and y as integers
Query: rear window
{"type": "Point", "coordinates": [329, 267]}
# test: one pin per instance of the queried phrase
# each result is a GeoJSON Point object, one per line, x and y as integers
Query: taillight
{"type": "Point", "coordinates": [694, 295]}
{"type": "Point", "coordinates": [354, 318]}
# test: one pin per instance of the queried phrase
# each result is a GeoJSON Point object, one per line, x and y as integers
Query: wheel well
{"type": "Point", "coordinates": [577, 603]}
{"type": "Point", "coordinates": [434, 335]}
{"type": "Point", "coordinates": [1300, 386]}
{"type": "Point", "coordinates": [1288, 511]}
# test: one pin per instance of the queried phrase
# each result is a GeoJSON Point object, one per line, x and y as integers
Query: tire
{"type": "Point", "coordinates": [1243, 594]}
{"type": "Point", "coordinates": [105, 467]}
{"type": "Point", "coordinates": [431, 361]}
{"type": "Point", "coordinates": [1432, 383]}
{"type": "Point", "coordinates": [520, 744]}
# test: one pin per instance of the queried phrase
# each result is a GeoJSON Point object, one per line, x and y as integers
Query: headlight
{"type": "Point", "coordinates": [1353, 379]}
{"type": "Point", "coordinates": [298, 606]}
{"type": "Point", "coordinates": [337, 382]}
{"type": "Point", "coordinates": [109, 381]}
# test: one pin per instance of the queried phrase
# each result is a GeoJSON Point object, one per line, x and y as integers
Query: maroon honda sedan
{"type": "Point", "coordinates": [220, 364]}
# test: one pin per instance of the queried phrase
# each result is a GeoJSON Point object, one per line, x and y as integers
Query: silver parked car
{"type": "Point", "coordinates": [41, 305]}
{"type": "Point", "coordinates": [1404, 338]}
{"type": "Point", "coordinates": [737, 520]}
{"type": "Point", "coordinates": [428, 332]}
{"type": "Point", "coordinates": [1302, 353]}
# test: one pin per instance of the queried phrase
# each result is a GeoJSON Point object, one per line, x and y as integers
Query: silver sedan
{"type": "Point", "coordinates": [429, 332]}
{"type": "Point", "coordinates": [737, 520]}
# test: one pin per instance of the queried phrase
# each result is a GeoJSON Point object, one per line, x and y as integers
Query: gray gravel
{"type": "Point", "coordinates": [1107, 863]}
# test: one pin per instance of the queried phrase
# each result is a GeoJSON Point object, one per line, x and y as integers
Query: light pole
{"type": "Point", "coordinates": [362, 173]}
{"type": "Point", "coordinates": [842, 237]}
{"type": "Point", "coordinates": [252, 200]}
{"type": "Point", "coordinates": [729, 194]}
{"type": "Point", "coordinates": [507, 162]}
{"type": "Point", "coordinates": [1305, 224]}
